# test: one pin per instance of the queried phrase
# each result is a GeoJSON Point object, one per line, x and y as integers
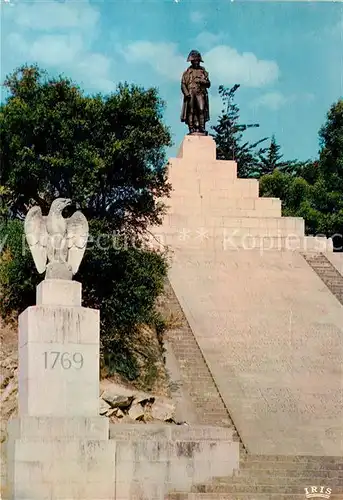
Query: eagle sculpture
{"type": "Point", "coordinates": [57, 244]}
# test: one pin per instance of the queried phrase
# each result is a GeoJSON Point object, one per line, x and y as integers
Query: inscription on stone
{"type": "Point", "coordinates": [64, 359]}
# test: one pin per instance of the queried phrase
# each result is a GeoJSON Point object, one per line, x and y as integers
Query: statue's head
{"type": "Point", "coordinates": [194, 58]}
{"type": "Point", "coordinates": [60, 204]}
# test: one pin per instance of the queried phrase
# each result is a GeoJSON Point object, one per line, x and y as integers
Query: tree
{"type": "Point", "coordinates": [269, 160]}
{"type": "Point", "coordinates": [229, 136]}
{"type": "Point", "coordinates": [314, 189]}
{"type": "Point", "coordinates": [331, 153]}
{"type": "Point", "coordinates": [105, 153]}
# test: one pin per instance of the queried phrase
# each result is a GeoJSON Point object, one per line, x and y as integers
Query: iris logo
{"type": "Point", "coordinates": [318, 492]}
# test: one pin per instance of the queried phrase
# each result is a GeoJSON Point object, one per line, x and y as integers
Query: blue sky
{"type": "Point", "coordinates": [287, 56]}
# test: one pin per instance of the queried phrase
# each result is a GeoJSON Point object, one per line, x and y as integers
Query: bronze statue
{"type": "Point", "coordinates": [194, 85]}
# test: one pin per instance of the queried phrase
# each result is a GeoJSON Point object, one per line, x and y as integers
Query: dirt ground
{"type": "Point", "coordinates": [8, 388]}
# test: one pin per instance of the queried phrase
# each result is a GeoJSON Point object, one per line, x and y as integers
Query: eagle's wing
{"type": "Point", "coordinates": [77, 236]}
{"type": "Point", "coordinates": [36, 237]}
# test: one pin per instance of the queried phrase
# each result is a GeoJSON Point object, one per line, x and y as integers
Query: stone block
{"type": "Point", "coordinates": [247, 188]}
{"type": "Point", "coordinates": [59, 324]}
{"type": "Point", "coordinates": [317, 244]}
{"type": "Point", "coordinates": [31, 491]}
{"type": "Point", "coordinates": [59, 361]}
{"type": "Point", "coordinates": [200, 148]}
{"type": "Point", "coordinates": [208, 173]}
{"type": "Point", "coordinates": [58, 293]}
{"type": "Point", "coordinates": [63, 469]}
{"type": "Point", "coordinates": [174, 463]}
{"type": "Point", "coordinates": [28, 427]}
{"type": "Point", "coordinates": [266, 204]}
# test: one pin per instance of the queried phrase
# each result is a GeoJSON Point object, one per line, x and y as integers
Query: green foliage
{"type": "Point", "coordinates": [18, 278]}
{"type": "Point", "coordinates": [269, 160]}
{"type": "Point", "coordinates": [321, 209]}
{"type": "Point", "coordinates": [105, 153]}
{"type": "Point", "coordinates": [122, 279]}
{"type": "Point", "coordinates": [229, 136]}
{"type": "Point", "coordinates": [331, 154]}
{"type": "Point", "coordinates": [314, 189]}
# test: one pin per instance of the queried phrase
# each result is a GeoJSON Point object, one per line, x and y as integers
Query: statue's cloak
{"type": "Point", "coordinates": [185, 82]}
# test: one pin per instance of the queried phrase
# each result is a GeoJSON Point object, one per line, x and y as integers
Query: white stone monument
{"type": "Point", "coordinates": [58, 446]}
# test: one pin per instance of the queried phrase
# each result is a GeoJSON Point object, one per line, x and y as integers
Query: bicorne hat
{"type": "Point", "coordinates": [194, 54]}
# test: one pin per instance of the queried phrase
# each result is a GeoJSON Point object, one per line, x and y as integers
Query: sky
{"type": "Point", "coordinates": [287, 56]}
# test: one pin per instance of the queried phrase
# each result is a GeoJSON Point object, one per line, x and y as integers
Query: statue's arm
{"type": "Point", "coordinates": [184, 87]}
{"type": "Point", "coordinates": [207, 80]}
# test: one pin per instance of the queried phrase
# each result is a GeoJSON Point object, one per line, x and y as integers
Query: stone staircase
{"type": "Point", "coordinates": [259, 336]}
{"type": "Point", "coordinates": [260, 477]}
{"type": "Point", "coordinates": [197, 379]}
{"type": "Point", "coordinates": [327, 273]}
{"type": "Point", "coordinates": [273, 477]}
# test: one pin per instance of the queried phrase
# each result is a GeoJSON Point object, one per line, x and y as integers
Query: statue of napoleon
{"type": "Point", "coordinates": [194, 85]}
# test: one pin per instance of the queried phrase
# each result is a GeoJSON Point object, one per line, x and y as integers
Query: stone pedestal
{"type": "Point", "coordinates": [210, 208]}
{"type": "Point", "coordinates": [59, 354]}
{"type": "Point", "coordinates": [58, 447]}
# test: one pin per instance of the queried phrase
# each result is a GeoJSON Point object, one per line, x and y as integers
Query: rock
{"type": "Point", "coordinates": [119, 413]}
{"type": "Point", "coordinates": [144, 399]}
{"type": "Point", "coordinates": [103, 407]}
{"type": "Point", "coordinates": [12, 386]}
{"type": "Point", "coordinates": [117, 400]}
{"type": "Point", "coordinates": [124, 405]}
{"type": "Point", "coordinates": [162, 409]}
{"type": "Point", "coordinates": [117, 396]}
{"type": "Point", "coordinates": [136, 411]}
{"type": "Point", "coordinates": [112, 412]}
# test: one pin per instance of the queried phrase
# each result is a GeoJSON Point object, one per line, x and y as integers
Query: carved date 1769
{"type": "Point", "coordinates": [66, 360]}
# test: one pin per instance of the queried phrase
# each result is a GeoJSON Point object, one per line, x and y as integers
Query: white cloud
{"type": "Point", "coordinates": [56, 49]}
{"type": "Point", "coordinates": [197, 17]}
{"type": "Point", "coordinates": [227, 66]}
{"type": "Point", "coordinates": [271, 100]}
{"type": "Point", "coordinates": [276, 100]}
{"type": "Point", "coordinates": [95, 69]}
{"type": "Point", "coordinates": [163, 57]}
{"type": "Point", "coordinates": [45, 16]}
{"type": "Point", "coordinates": [72, 27]}
{"type": "Point", "coordinates": [205, 39]}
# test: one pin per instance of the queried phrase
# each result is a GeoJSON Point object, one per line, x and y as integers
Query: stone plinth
{"type": "Point", "coordinates": [153, 459]}
{"type": "Point", "coordinates": [58, 447]}
{"type": "Point", "coordinates": [59, 354]}
{"type": "Point", "coordinates": [210, 207]}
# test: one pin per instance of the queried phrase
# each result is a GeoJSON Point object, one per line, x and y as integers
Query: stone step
{"type": "Point", "coordinates": [287, 224]}
{"type": "Point", "coordinates": [282, 474]}
{"type": "Point", "coordinates": [168, 432]}
{"type": "Point", "coordinates": [226, 187]}
{"type": "Point", "coordinates": [267, 488]}
{"type": "Point", "coordinates": [208, 404]}
{"type": "Point", "coordinates": [243, 496]}
{"type": "Point", "coordinates": [293, 463]}
{"type": "Point", "coordinates": [327, 273]}
{"type": "Point", "coordinates": [267, 484]}
{"type": "Point", "coordinates": [202, 232]}
{"type": "Point", "coordinates": [198, 241]}
{"type": "Point", "coordinates": [197, 202]}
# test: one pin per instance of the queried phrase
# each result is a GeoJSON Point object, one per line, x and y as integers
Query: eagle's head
{"type": "Point", "coordinates": [59, 205]}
